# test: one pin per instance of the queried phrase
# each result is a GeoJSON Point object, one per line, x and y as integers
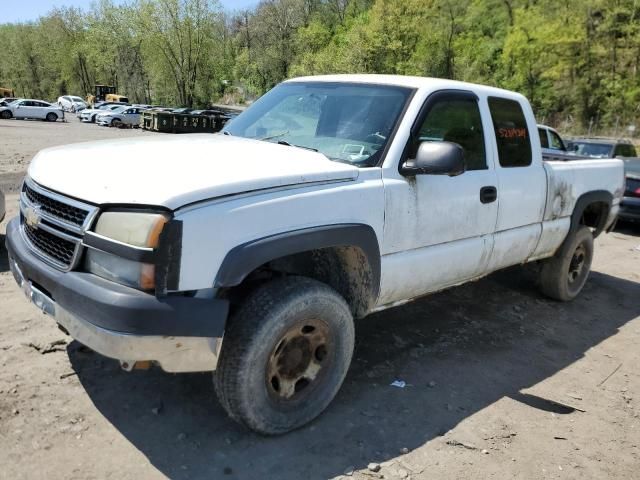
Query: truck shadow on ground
{"type": "Point", "coordinates": [459, 351]}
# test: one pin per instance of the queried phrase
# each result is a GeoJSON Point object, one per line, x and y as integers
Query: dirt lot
{"type": "Point", "coordinates": [20, 140]}
{"type": "Point", "coordinates": [501, 383]}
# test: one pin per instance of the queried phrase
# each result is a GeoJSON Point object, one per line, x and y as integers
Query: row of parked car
{"type": "Point", "coordinates": [111, 114]}
{"type": "Point", "coordinates": [115, 114]}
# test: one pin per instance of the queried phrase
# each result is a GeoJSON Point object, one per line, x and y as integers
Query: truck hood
{"type": "Point", "coordinates": [175, 170]}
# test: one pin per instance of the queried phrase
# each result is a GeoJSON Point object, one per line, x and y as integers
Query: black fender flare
{"type": "Point", "coordinates": [245, 258]}
{"type": "Point", "coordinates": [597, 196]}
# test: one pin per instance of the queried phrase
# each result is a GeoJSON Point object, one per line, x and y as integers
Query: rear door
{"type": "Point", "coordinates": [41, 109]}
{"type": "Point", "coordinates": [522, 189]}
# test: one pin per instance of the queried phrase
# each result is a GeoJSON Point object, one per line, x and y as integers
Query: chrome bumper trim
{"type": "Point", "coordinates": [173, 354]}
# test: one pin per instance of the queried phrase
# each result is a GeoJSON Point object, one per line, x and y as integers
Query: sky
{"type": "Point", "coordinates": [25, 10]}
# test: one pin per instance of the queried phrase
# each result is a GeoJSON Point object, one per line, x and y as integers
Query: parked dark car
{"type": "Point", "coordinates": [630, 205]}
{"type": "Point", "coordinates": [603, 148]}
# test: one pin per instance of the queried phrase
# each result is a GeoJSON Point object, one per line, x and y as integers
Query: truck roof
{"type": "Point", "coordinates": [408, 81]}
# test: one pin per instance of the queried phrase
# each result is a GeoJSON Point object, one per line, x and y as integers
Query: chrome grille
{"type": "Point", "coordinates": [53, 225]}
{"type": "Point", "coordinates": [60, 210]}
{"type": "Point", "coordinates": [60, 250]}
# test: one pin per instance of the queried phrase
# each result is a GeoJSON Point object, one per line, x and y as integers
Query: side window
{"type": "Point", "coordinates": [544, 141]}
{"type": "Point", "coordinates": [512, 135]}
{"type": "Point", "coordinates": [619, 150]}
{"type": "Point", "coordinates": [556, 141]}
{"type": "Point", "coordinates": [457, 121]}
{"type": "Point", "coordinates": [626, 150]}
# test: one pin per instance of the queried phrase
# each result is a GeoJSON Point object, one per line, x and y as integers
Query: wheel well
{"type": "Point", "coordinates": [344, 268]}
{"type": "Point", "coordinates": [595, 216]}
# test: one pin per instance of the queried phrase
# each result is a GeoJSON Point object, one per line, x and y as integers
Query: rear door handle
{"type": "Point", "coordinates": [488, 194]}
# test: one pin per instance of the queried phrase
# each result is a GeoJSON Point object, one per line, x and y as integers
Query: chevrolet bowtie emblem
{"type": "Point", "coordinates": [32, 216]}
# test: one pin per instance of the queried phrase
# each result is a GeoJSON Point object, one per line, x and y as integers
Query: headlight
{"type": "Point", "coordinates": [132, 229]}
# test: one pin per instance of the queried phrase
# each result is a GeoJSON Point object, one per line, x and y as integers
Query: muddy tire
{"type": "Point", "coordinates": [284, 355]}
{"type": "Point", "coordinates": [6, 115]}
{"type": "Point", "coordinates": [51, 117]}
{"type": "Point", "coordinates": [563, 275]}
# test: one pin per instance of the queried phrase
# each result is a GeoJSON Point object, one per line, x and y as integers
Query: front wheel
{"type": "Point", "coordinates": [6, 115]}
{"type": "Point", "coordinates": [52, 117]}
{"type": "Point", "coordinates": [284, 355]}
{"type": "Point", "coordinates": [116, 123]}
{"type": "Point", "coordinates": [563, 275]}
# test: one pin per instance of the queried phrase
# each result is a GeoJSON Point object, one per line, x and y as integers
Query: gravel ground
{"type": "Point", "coordinates": [501, 383]}
{"type": "Point", "coordinates": [22, 139]}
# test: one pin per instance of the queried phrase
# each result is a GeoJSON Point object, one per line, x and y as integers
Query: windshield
{"type": "Point", "coordinates": [346, 122]}
{"type": "Point", "coordinates": [595, 150]}
{"type": "Point", "coordinates": [77, 99]}
{"type": "Point", "coordinates": [118, 109]}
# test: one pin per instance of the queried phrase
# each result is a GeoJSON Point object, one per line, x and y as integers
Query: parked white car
{"type": "Point", "coordinates": [71, 103]}
{"type": "Point", "coordinates": [90, 114]}
{"type": "Point", "coordinates": [252, 252]}
{"type": "Point", "coordinates": [126, 115]}
{"type": "Point", "coordinates": [29, 108]}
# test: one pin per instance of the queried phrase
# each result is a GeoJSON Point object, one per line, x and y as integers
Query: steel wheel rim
{"type": "Point", "coordinates": [577, 264]}
{"type": "Point", "coordinates": [298, 361]}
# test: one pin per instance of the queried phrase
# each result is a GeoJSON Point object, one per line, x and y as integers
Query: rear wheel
{"type": "Point", "coordinates": [284, 355]}
{"type": "Point", "coordinates": [6, 115]}
{"type": "Point", "coordinates": [51, 117]}
{"type": "Point", "coordinates": [563, 275]}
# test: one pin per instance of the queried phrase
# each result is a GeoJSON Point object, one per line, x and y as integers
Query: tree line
{"type": "Point", "coordinates": [576, 60]}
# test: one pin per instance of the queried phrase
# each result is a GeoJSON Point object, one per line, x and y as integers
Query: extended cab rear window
{"type": "Point", "coordinates": [512, 134]}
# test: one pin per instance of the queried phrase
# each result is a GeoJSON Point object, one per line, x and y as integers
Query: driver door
{"type": "Point", "coordinates": [439, 229]}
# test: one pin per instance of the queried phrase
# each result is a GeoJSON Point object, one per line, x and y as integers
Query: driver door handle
{"type": "Point", "coordinates": [488, 194]}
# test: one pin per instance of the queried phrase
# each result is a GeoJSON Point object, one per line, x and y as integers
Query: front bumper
{"type": "Point", "coordinates": [181, 334]}
{"type": "Point", "coordinates": [630, 209]}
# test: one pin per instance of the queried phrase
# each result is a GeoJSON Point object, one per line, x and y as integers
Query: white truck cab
{"type": "Point", "coordinates": [251, 252]}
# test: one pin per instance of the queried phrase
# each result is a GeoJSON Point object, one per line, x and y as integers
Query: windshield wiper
{"type": "Point", "coordinates": [282, 142]}
{"type": "Point", "coordinates": [225, 132]}
{"type": "Point", "coordinates": [274, 136]}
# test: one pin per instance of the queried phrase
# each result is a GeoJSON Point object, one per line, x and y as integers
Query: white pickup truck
{"type": "Point", "coordinates": [251, 252]}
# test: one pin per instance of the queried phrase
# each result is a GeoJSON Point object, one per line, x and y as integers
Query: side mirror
{"type": "Point", "coordinates": [436, 158]}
